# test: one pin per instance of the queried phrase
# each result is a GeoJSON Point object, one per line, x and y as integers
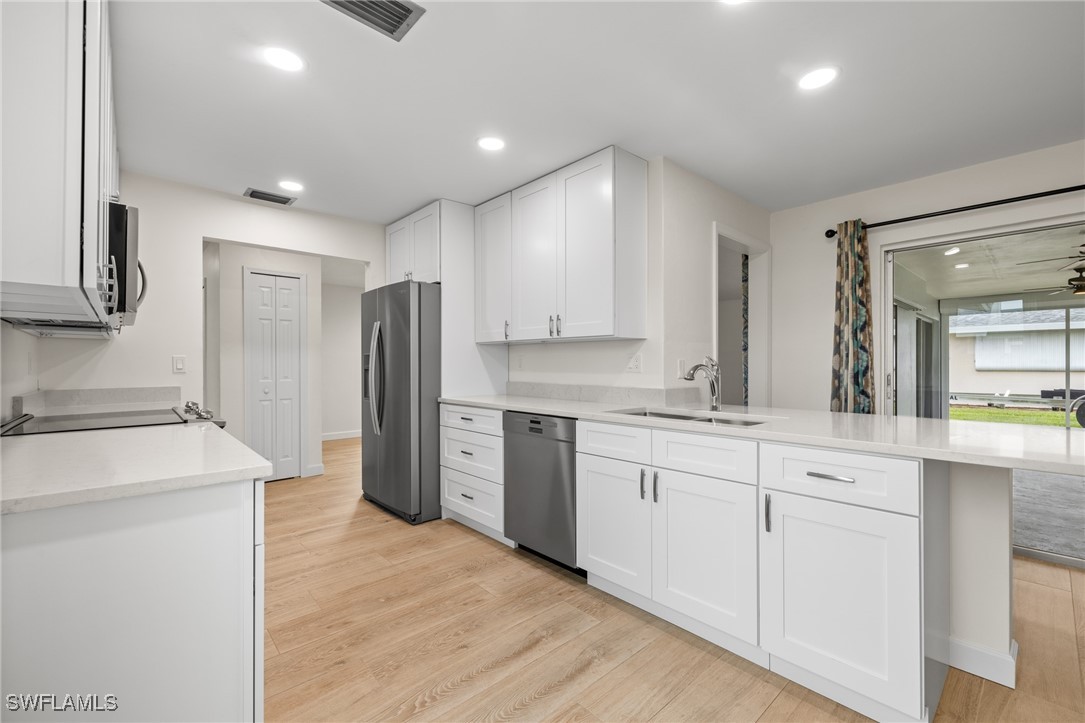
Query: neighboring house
{"type": "Point", "coordinates": [1023, 352]}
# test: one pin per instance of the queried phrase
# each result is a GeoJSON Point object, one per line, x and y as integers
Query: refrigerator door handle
{"type": "Point", "coordinates": [372, 376]}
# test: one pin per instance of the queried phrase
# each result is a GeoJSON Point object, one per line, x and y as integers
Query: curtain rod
{"type": "Point", "coordinates": [832, 232]}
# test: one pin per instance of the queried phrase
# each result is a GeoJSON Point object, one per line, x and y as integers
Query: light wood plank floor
{"type": "Point", "coordinates": [369, 618]}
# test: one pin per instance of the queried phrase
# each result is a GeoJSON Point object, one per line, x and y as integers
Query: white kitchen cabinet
{"type": "Point", "coordinates": [60, 162]}
{"type": "Point", "coordinates": [535, 260]}
{"type": "Point", "coordinates": [473, 468]}
{"type": "Point", "coordinates": [579, 251]}
{"type": "Point", "coordinates": [413, 246]}
{"type": "Point", "coordinates": [841, 598]}
{"type": "Point", "coordinates": [704, 550]}
{"type": "Point", "coordinates": [614, 521]}
{"type": "Point", "coordinates": [493, 269]}
{"type": "Point", "coordinates": [685, 541]}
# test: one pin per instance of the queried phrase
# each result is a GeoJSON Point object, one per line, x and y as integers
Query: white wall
{"type": "Point", "coordinates": [803, 260]}
{"type": "Point", "coordinates": [174, 221]}
{"type": "Point", "coordinates": [18, 366]}
{"type": "Point", "coordinates": [691, 207]}
{"type": "Point", "coordinates": [341, 361]}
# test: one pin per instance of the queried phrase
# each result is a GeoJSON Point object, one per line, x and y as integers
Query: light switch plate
{"type": "Point", "coordinates": [179, 364]}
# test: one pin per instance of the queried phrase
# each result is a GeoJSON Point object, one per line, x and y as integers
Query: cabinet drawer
{"type": "Point", "coordinates": [884, 483]}
{"type": "Point", "coordinates": [473, 497]}
{"type": "Point", "coordinates": [482, 455]}
{"type": "Point", "coordinates": [632, 444]}
{"type": "Point", "coordinates": [476, 419]}
{"type": "Point", "coordinates": [705, 454]}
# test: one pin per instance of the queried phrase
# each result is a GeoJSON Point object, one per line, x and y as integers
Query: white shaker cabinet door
{"type": "Point", "coordinates": [534, 260]}
{"type": "Point", "coordinates": [614, 521]}
{"type": "Point", "coordinates": [840, 595]}
{"type": "Point", "coordinates": [493, 267]}
{"type": "Point", "coordinates": [585, 196]}
{"type": "Point", "coordinates": [398, 240]}
{"type": "Point", "coordinates": [704, 547]}
{"type": "Point", "coordinates": [426, 243]}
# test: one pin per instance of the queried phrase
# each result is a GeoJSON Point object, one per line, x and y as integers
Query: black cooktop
{"type": "Point", "coordinates": [29, 424]}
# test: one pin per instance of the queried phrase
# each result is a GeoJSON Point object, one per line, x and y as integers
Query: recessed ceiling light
{"type": "Point", "coordinates": [960, 266]}
{"type": "Point", "coordinates": [818, 78]}
{"type": "Point", "coordinates": [283, 59]}
{"type": "Point", "coordinates": [291, 186]}
{"type": "Point", "coordinates": [489, 143]}
{"type": "Point", "coordinates": [954, 250]}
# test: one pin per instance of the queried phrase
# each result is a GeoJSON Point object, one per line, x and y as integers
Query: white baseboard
{"type": "Point", "coordinates": [997, 667]}
{"type": "Point", "coordinates": [844, 696]}
{"type": "Point", "coordinates": [313, 470]}
{"type": "Point", "coordinates": [448, 514]}
{"type": "Point", "coordinates": [739, 647]}
{"type": "Point", "coordinates": [349, 434]}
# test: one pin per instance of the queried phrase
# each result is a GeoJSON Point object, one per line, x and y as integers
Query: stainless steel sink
{"type": "Point", "coordinates": [691, 415]}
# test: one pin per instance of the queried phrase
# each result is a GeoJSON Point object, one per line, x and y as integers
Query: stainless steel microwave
{"type": "Point", "coordinates": [124, 292]}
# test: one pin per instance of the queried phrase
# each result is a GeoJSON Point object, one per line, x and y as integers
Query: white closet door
{"type": "Point", "coordinates": [287, 458]}
{"type": "Point", "coordinates": [272, 310]}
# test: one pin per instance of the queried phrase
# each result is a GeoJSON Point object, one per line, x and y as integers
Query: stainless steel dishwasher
{"type": "Point", "coordinates": [540, 484]}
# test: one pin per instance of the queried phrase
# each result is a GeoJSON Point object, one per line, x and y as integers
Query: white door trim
{"type": "Point", "coordinates": [760, 300]}
{"type": "Point", "coordinates": [303, 366]}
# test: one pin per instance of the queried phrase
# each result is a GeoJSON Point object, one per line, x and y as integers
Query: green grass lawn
{"type": "Point", "coordinates": [1012, 415]}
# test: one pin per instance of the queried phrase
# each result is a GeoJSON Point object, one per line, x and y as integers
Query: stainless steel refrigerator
{"type": "Point", "coordinates": [401, 380]}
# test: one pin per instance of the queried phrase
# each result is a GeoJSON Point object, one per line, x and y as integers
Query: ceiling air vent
{"type": "Point", "coordinates": [269, 196]}
{"type": "Point", "coordinates": [388, 17]}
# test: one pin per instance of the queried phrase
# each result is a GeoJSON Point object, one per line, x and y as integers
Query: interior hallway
{"type": "Point", "coordinates": [369, 618]}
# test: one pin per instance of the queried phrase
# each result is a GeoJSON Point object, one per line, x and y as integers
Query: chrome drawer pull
{"type": "Point", "coordinates": [462, 494]}
{"type": "Point", "coordinates": [642, 483]}
{"type": "Point", "coordinates": [467, 419]}
{"type": "Point", "coordinates": [833, 477]}
{"type": "Point", "coordinates": [469, 454]}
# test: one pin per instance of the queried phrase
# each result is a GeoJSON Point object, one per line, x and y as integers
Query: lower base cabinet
{"type": "Point", "coordinates": [686, 541]}
{"type": "Point", "coordinates": [840, 595]}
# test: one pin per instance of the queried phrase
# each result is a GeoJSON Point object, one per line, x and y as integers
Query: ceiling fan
{"type": "Point", "coordinates": [1075, 284]}
{"type": "Point", "coordinates": [1074, 260]}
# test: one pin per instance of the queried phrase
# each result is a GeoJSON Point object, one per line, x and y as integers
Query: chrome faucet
{"type": "Point", "coordinates": [712, 373]}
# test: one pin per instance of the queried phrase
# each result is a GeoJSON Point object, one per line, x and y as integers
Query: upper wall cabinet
{"type": "Point", "coordinates": [493, 237]}
{"type": "Point", "coordinates": [578, 254]}
{"type": "Point", "coordinates": [60, 162]}
{"type": "Point", "coordinates": [414, 246]}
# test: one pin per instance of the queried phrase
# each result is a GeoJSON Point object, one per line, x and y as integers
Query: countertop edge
{"type": "Point", "coordinates": [603, 412]}
{"type": "Point", "coordinates": [31, 503]}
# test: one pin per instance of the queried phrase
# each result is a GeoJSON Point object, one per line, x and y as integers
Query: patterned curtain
{"type": "Point", "coordinates": [853, 365]}
{"type": "Point", "coordinates": [745, 330]}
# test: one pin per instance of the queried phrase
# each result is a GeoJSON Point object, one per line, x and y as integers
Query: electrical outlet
{"type": "Point", "coordinates": [681, 368]}
{"type": "Point", "coordinates": [634, 364]}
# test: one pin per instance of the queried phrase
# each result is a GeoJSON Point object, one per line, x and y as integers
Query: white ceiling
{"type": "Point", "coordinates": [375, 128]}
{"type": "Point", "coordinates": [1000, 265]}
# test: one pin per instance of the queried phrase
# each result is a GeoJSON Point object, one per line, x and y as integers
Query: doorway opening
{"type": "Point", "coordinates": [740, 302]}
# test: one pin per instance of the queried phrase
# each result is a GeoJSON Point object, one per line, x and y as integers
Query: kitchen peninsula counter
{"type": "Point", "coordinates": [1006, 446]}
{"type": "Point", "coordinates": [42, 471]}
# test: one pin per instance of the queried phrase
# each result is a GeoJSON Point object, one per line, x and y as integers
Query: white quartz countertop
{"type": "Point", "coordinates": [39, 471]}
{"type": "Point", "coordinates": [1014, 446]}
